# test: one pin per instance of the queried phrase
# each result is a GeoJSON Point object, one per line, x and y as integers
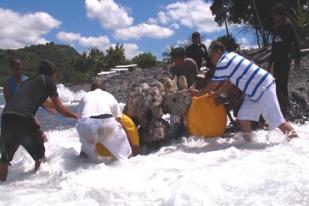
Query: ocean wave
{"type": "Point", "coordinates": [193, 171]}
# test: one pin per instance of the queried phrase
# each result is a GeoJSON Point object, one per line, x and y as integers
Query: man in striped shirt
{"type": "Point", "coordinates": [258, 85]}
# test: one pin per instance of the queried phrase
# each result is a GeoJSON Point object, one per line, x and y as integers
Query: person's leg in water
{"type": "Point", "coordinates": [273, 115]}
{"type": "Point", "coordinates": [43, 136]}
{"type": "Point", "coordinates": [246, 130]}
{"type": "Point", "coordinates": [30, 138]}
{"type": "Point", "coordinates": [8, 143]}
{"type": "Point", "coordinates": [4, 169]}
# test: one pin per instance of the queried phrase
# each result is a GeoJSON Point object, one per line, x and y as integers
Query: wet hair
{"type": "Point", "coordinates": [97, 84]}
{"type": "Point", "coordinates": [47, 68]}
{"type": "Point", "coordinates": [15, 61]}
{"type": "Point", "coordinates": [216, 46]}
{"type": "Point", "coordinates": [196, 35]}
{"type": "Point", "coordinates": [279, 10]}
{"type": "Point", "coordinates": [179, 52]}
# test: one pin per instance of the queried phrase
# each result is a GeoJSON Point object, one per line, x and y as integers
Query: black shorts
{"type": "Point", "coordinates": [17, 130]}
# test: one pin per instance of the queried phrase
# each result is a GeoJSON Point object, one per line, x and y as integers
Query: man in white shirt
{"type": "Point", "coordinates": [100, 122]}
{"type": "Point", "coordinates": [258, 85]}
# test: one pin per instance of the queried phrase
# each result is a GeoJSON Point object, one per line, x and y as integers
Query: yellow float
{"type": "Point", "coordinates": [205, 118]}
{"type": "Point", "coordinates": [132, 132]}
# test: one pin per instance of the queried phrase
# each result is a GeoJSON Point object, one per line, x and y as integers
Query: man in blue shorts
{"type": "Point", "coordinates": [258, 85]}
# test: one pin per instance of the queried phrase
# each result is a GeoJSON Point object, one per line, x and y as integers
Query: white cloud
{"type": "Point", "coordinates": [175, 26]}
{"type": "Point", "coordinates": [152, 21]}
{"type": "Point", "coordinates": [143, 30]}
{"type": "Point", "coordinates": [101, 42]}
{"type": "Point", "coordinates": [19, 30]}
{"type": "Point", "coordinates": [68, 37]}
{"type": "Point", "coordinates": [163, 17]}
{"type": "Point", "coordinates": [245, 43]}
{"type": "Point", "coordinates": [131, 50]}
{"type": "Point", "coordinates": [192, 14]}
{"type": "Point", "coordinates": [110, 14]}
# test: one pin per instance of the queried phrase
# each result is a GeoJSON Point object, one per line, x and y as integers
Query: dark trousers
{"type": "Point", "coordinates": [281, 73]}
{"type": "Point", "coordinates": [17, 130]}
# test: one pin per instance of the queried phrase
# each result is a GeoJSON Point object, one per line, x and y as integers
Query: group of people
{"type": "Point", "coordinates": [99, 112]}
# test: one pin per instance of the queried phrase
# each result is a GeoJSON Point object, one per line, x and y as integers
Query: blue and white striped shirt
{"type": "Point", "coordinates": [243, 73]}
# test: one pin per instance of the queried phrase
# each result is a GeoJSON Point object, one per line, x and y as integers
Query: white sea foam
{"type": "Point", "coordinates": [68, 96]}
{"type": "Point", "coordinates": [269, 171]}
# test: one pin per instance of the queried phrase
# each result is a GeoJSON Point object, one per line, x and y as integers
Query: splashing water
{"type": "Point", "coordinates": [193, 171]}
{"type": "Point", "coordinates": [67, 96]}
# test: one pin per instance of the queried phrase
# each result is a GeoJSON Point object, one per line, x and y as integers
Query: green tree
{"type": "Point", "coordinates": [229, 42]}
{"type": "Point", "coordinates": [145, 60]}
{"type": "Point", "coordinates": [167, 54]}
{"type": "Point", "coordinates": [115, 55]}
{"type": "Point", "coordinates": [300, 17]}
{"type": "Point", "coordinates": [253, 14]}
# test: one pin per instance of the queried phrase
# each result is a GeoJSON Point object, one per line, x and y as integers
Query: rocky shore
{"type": "Point", "coordinates": [298, 84]}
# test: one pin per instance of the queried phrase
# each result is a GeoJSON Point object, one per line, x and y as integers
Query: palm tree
{"type": "Point", "coordinates": [167, 54]}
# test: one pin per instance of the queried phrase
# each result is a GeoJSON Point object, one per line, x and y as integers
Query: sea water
{"type": "Point", "coordinates": [191, 171]}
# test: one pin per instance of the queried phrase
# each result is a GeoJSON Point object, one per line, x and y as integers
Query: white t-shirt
{"type": "Point", "coordinates": [244, 74]}
{"type": "Point", "coordinates": [98, 102]}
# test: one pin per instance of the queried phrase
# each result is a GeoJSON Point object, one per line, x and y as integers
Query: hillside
{"type": "Point", "coordinates": [60, 55]}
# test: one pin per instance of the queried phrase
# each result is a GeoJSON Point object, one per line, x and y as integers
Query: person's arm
{"type": "Point", "coordinates": [49, 106]}
{"type": "Point", "coordinates": [61, 109]}
{"type": "Point", "coordinates": [193, 75]}
{"type": "Point", "coordinates": [270, 61]}
{"type": "Point", "coordinates": [6, 92]}
{"type": "Point", "coordinates": [214, 88]}
{"type": "Point", "coordinates": [206, 52]}
{"type": "Point", "coordinates": [297, 48]}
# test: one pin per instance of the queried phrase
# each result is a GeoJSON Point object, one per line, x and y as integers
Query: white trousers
{"type": "Point", "coordinates": [108, 132]}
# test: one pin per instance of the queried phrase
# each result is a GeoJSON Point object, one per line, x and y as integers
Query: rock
{"type": "Point", "coordinates": [156, 130]}
{"type": "Point", "coordinates": [177, 103]}
{"type": "Point", "coordinates": [302, 97]}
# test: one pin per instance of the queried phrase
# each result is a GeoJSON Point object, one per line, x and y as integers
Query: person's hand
{"type": "Point", "coordinates": [269, 67]}
{"type": "Point", "coordinates": [297, 64]}
{"type": "Point", "coordinates": [75, 116]}
{"type": "Point", "coordinates": [51, 111]}
{"type": "Point", "coordinates": [194, 92]}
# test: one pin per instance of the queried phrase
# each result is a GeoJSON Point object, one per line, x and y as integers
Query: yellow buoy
{"type": "Point", "coordinates": [205, 118]}
{"type": "Point", "coordinates": [132, 132]}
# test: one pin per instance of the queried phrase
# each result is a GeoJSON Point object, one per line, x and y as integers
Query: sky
{"type": "Point", "coordinates": [140, 25]}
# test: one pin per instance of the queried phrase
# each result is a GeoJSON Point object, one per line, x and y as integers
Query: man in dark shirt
{"type": "Point", "coordinates": [197, 50]}
{"type": "Point", "coordinates": [18, 126]}
{"type": "Point", "coordinates": [183, 66]}
{"type": "Point", "coordinates": [284, 36]}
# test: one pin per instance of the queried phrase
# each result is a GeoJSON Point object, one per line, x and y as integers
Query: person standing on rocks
{"type": "Point", "coordinates": [197, 50]}
{"type": "Point", "coordinates": [284, 36]}
{"type": "Point", "coordinates": [258, 85]}
{"type": "Point", "coordinates": [183, 66]}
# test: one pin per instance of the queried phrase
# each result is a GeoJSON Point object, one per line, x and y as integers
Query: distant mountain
{"type": "Point", "coordinates": [60, 55]}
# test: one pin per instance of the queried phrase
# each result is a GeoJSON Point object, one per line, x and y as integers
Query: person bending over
{"type": "Point", "coordinates": [18, 126]}
{"type": "Point", "coordinates": [100, 122]}
{"type": "Point", "coordinates": [258, 85]}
